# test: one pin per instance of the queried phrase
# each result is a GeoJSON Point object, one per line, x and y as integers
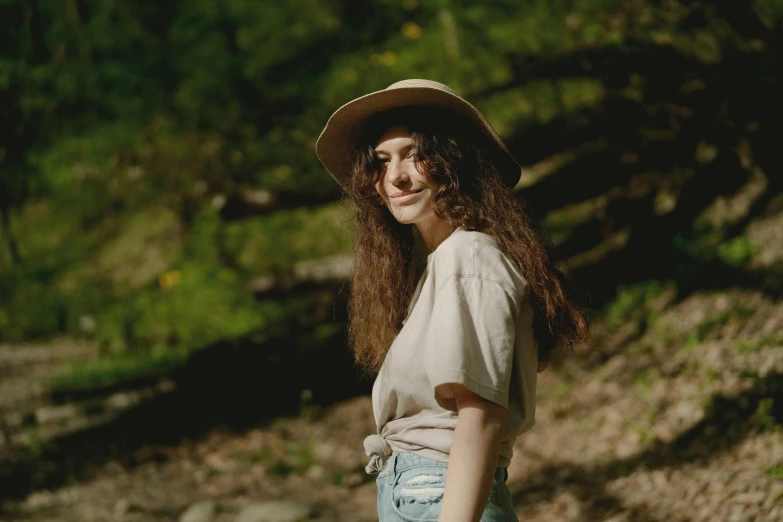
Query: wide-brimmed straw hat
{"type": "Point", "coordinates": [337, 145]}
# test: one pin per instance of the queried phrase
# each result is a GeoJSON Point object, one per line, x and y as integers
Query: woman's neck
{"type": "Point", "coordinates": [433, 232]}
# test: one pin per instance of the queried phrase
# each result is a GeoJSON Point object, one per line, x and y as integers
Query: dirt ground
{"type": "Point", "coordinates": [649, 425]}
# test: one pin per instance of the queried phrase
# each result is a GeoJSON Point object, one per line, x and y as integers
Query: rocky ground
{"type": "Point", "coordinates": [672, 413]}
{"type": "Point", "coordinates": [639, 426]}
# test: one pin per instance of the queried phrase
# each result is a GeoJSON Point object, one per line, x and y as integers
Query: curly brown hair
{"type": "Point", "coordinates": [471, 195]}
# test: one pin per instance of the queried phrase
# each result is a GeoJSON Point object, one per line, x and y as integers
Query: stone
{"type": "Point", "coordinates": [275, 511]}
{"type": "Point", "coordinates": [203, 511]}
{"type": "Point", "coordinates": [47, 414]}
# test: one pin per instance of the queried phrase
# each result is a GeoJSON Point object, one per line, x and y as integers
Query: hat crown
{"type": "Point", "coordinates": [340, 138]}
{"type": "Point", "coordinates": [430, 84]}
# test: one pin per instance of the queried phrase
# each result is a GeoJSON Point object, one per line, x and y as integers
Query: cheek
{"type": "Point", "coordinates": [380, 189]}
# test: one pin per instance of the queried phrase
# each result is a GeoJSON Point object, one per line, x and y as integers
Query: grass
{"type": "Point", "coordinates": [737, 251]}
{"type": "Point", "coordinates": [737, 313]}
{"type": "Point", "coordinates": [645, 381]}
{"type": "Point", "coordinates": [337, 478]}
{"type": "Point", "coordinates": [560, 389]}
{"type": "Point", "coordinates": [252, 456]}
{"type": "Point", "coordinates": [711, 374]}
{"type": "Point", "coordinates": [294, 459]}
{"type": "Point", "coordinates": [630, 299]}
{"type": "Point", "coordinates": [115, 369]}
{"type": "Point", "coordinates": [706, 242]}
{"type": "Point", "coordinates": [308, 410]}
{"type": "Point", "coordinates": [745, 346]}
{"type": "Point", "coordinates": [646, 436]}
{"type": "Point", "coordinates": [776, 471]}
{"type": "Point", "coordinates": [692, 341]}
{"type": "Point", "coordinates": [268, 243]}
{"type": "Point", "coordinates": [764, 416]}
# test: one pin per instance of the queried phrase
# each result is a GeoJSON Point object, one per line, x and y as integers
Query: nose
{"type": "Point", "coordinates": [395, 172]}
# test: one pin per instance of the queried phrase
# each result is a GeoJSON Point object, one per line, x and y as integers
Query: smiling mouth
{"type": "Point", "coordinates": [407, 193]}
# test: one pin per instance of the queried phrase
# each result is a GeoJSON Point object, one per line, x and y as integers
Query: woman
{"type": "Point", "coordinates": [456, 348]}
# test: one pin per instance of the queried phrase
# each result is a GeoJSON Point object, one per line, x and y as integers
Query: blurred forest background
{"type": "Point", "coordinates": [174, 258]}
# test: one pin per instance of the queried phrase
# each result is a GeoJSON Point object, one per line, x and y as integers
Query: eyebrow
{"type": "Point", "coordinates": [405, 149]}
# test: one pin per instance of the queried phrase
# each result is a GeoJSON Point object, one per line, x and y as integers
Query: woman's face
{"type": "Point", "coordinates": [407, 192]}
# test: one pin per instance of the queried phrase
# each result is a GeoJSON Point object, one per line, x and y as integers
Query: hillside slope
{"type": "Point", "coordinates": [671, 413]}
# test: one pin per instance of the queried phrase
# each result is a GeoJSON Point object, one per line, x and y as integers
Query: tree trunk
{"type": "Point", "coordinates": [13, 247]}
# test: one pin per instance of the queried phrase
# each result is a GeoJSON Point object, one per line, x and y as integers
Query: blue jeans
{"type": "Point", "coordinates": [410, 489]}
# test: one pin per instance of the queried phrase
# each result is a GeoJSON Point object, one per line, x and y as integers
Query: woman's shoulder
{"type": "Point", "coordinates": [476, 253]}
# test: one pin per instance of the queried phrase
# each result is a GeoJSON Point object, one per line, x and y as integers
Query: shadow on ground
{"type": "Point", "coordinates": [728, 421]}
{"type": "Point", "coordinates": [233, 385]}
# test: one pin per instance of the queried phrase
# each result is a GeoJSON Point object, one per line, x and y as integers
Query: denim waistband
{"type": "Point", "coordinates": [404, 460]}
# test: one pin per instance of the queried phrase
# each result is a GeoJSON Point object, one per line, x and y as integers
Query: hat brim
{"type": "Point", "coordinates": [339, 140]}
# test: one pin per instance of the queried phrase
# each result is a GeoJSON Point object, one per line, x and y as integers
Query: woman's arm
{"type": "Point", "coordinates": [473, 456]}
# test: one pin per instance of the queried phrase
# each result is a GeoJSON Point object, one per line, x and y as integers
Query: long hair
{"type": "Point", "coordinates": [472, 195]}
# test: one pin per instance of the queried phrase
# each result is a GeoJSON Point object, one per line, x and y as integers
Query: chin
{"type": "Point", "coordinates": [410, 221]}
{"type": "Point", "coordinates": [406, 219]}
{"type": "Point", "coordinates": [410, 215]}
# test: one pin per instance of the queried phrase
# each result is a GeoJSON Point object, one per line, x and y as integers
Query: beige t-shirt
{"type": "Point", "coordinates": [470, 321]}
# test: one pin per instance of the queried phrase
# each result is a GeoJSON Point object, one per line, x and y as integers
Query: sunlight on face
{"type": "Point", "coordinates": [407, 192]}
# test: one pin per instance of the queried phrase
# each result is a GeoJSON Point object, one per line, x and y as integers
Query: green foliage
{"type": "Point", "coordinates": [776, 471]}
{"type": "Point", "coordinates": [711, 374]}
{"type": "Point", "coordinates": [702, 242]}
{"type": "Point", "coordinates": [273, 243]}
{"type": "Point", "coordinates": [737, 251]}
{"type": "Point", "coordinates": [208, 303]}
{"type": "Point", "coordinates": [765, 402]}
{"type": "Point", "coordinates": [32, 305]}
{"type": "Point", "coordinates": [645, 381]}
{"type": "Point", "coordinates": [337, 478]}
{"type": "Point", "coordinates": [745, 346]}
{"type": "Point", "coordinates": [30, 308]}
{"type": "Point", "coordinates": [737, 313]}
{"type": "Point", "coordinates": [294, 458]}
{"type": "Point", "coordinates": [560, 223]}
{"type": "Point", "coordinates": [308, 410]}
{"type": "Point", "coordinates": [706, 243]}
{"type": "Point", "coordinates": [770, 11]}
{"type": "Point", "coordinates": [764, 417]}
{"type": "Point", "coordinates": [301, 456]}
{"type": "Point", "coordinates": [127, 124]}
{"type": "Point", "coordinates": [630, 301]}
{"type": "Point", "coordinates": [693, 339]}
{"type": "Point", "coordinates": [646, 436]}
{"type": "Point", "coordinates": [114, 369]}
{"type": "Point", "coordinates": [149, 244]}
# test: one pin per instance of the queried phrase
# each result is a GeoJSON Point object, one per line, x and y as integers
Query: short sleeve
{"type": "Point", "coordinates": [470, 338]}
